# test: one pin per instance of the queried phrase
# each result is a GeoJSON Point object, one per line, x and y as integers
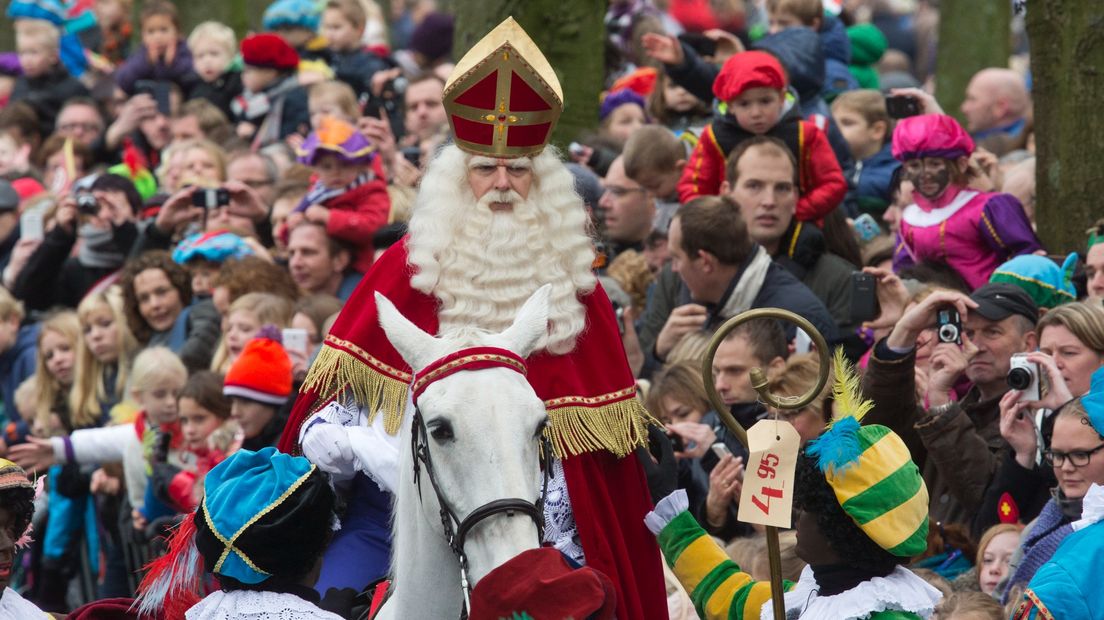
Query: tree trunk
{"type": "Point", "coordinates": [571, 35]}
{"type": "Point", "coordinates": [973, 35]}
{"type": "Point", "coordinates": [1067, 58]}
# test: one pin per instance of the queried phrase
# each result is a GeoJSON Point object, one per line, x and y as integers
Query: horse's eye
{"type": "Point", "coordinates": [442, 431]}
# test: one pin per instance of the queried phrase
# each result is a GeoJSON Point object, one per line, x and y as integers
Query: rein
{"type": "Point", "coordinates": [455, 528]}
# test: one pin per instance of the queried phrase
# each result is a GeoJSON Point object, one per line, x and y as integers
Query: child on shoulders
{"type": "Point", "coordinates": [753, 87]}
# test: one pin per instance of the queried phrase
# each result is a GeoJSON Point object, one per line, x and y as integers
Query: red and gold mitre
{"type": "Point", "coordinates": [503, 98]}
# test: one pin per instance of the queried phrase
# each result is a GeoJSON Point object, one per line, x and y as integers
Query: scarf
{"type": "Point", "coordinates": [318, 193]}
{"type": "Point", "coordinates": [749, 284]}
{"type": "Point", "coordinates": [250, 106]}
{"type": "Point", "coordinates": [1051, 527]}
{"type": "Point", "coordinates": [98, 250]}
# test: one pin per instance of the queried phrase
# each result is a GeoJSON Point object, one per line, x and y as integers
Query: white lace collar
{"type": "Point", "coordinates": [901, 590]}
{"type": "Point", "coordinates": [915, 216]}
{"type": "Point", "coordinates": [256, 605]}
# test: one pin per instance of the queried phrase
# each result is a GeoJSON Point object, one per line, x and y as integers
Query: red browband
{"type": "Point", "coordinates": [475, 358]}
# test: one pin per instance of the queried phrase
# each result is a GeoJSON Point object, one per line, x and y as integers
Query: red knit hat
{"type": "Point", "coordinates": [269, 51]}
{"type": "Point", "coordinates": [262, 373]}
{"type": "Point", "coordinates": [539, 584]}
{"type": "Point", "coordinates": [748, 70]}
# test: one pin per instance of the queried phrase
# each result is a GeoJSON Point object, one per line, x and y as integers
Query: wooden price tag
{"type": "Point", "coordinates": [767, 495]}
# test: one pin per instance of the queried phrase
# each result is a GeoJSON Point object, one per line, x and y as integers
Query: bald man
{"type": "Point", "coordinates": [995, 109]}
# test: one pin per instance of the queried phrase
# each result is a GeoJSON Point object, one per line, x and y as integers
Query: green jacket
{"type": "Point", "coordinates": [719, 589]}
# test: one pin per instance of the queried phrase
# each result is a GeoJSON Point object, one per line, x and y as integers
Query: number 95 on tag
{"type": "Point", "coordinates": [767, 495]}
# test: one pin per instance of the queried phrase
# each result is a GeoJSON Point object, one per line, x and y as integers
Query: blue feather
{"type": "Point", "coordinates": [838, 447]}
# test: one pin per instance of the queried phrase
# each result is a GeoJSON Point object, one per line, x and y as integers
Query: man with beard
{"type": "Point", "coordinates": [972, 232]}
{"type": "Point", "coordinates": [496, 218]}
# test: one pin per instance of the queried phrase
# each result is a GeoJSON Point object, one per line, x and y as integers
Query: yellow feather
{"type": "Point", "coordinates": [847, 390]}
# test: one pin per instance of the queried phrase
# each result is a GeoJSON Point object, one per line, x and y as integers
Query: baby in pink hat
{"type": "Point", "coordinates": [971, 231]}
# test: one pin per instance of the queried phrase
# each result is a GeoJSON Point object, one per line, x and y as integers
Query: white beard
{"type": "Point", "coordinates": [482, 265]}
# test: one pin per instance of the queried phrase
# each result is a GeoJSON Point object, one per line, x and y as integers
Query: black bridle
{"type": "Point", "coordinates": [457, 529]}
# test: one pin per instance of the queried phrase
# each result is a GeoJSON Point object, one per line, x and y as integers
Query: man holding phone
{"type": "Point", "coordinates": [956, 442]}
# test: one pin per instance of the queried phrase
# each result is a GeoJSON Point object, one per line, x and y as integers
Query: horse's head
{"type": "Point", "coordinates": [483, 430]}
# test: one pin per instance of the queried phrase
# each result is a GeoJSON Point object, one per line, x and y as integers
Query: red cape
{"type": "Point", "coordinates": [595, 419]}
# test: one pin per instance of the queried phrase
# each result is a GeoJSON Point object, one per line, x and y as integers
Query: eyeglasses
{"type": "Point", "coordinates": [71, 127]}
{"type": "Point", "coordinates": [1079, 458]}
{"type": "Point", "coordinates": [620, 192]}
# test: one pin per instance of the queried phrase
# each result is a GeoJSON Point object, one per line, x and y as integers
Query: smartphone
{"type": "Point", "coordinates": [157, 89]}
{"type": "Point", "coordinates": [864, 297]}
{"type": "Point", "coordinates": [902, 106]}
{"type": "Point", "coordinates": [867, 227]}
{"type": "Point", "coordinates": [720, 450]}
{"type": "Point", "coordinates": [211, 198]}
{"type": "Point", "coordinates": [31, 225]}
{"type": "Point", "coordinates": [412, 154]}
{"type": "Point", "coordinates": [295, 340]}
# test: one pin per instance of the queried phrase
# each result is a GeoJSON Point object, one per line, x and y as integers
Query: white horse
{"type": "Point", "coordinates": [483, 431]}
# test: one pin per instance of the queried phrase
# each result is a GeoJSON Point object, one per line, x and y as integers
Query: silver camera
{"type": "Point", "coordinates": [1024, 376]}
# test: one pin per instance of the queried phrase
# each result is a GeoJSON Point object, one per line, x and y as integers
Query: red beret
{"type": "Point", "coordinates": [540, 583]}
{"type": "Point", "coordinates": [269, 51]}
{"type": "Point", "coordinates": [748, 70]}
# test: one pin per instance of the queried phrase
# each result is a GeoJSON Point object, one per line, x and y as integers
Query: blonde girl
{"type": "Point", "coordinates": [247, 315]}
{"type": "Point", "coordinates": [104, 354]}
{"type": "Point", "coordinates": [55, 369]}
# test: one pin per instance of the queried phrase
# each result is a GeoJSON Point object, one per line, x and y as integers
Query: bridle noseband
{"type": "Point", "coordinates": [455, 528]}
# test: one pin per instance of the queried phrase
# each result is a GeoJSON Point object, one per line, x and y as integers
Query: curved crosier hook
{"type": "Point", "coordinates": [758, 377]}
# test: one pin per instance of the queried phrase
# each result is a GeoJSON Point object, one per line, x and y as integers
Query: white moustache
{"type": "Point", "coordinates": [507, 197]}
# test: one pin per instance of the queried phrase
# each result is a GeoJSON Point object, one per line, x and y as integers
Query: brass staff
{"type": "Point", "coordinates": [759, 382]}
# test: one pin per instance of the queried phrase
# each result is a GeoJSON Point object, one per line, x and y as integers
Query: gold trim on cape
{"type": "Point", "coordinates": [616, 422]}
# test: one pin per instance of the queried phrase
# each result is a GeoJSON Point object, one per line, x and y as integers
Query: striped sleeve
{"type": "Point", "coordinates": [719, 589]}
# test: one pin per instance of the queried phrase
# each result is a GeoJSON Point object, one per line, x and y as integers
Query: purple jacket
{"type": "Point", "coordinates": [973, 233]}
{"type": "Point", "coordinates": [139, 67]}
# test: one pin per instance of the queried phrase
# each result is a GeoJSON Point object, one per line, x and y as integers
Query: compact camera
{"type": "Point", "coordinates": [211, 198]}
{"type": "Point", "coordinates": [949, 326]}
{"type": "Point", "coordinates": [1024, 376]}
{"type": "Point", "coordinates": [87, 204]}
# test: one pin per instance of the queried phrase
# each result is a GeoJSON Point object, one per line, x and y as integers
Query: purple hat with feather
{"type": "Point", "coordinates": [339, 138]}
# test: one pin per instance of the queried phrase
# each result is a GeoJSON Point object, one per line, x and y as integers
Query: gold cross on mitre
{"type": "Point", "coordinates": [503, 98]}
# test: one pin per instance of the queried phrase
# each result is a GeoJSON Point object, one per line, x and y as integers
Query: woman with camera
{"type": "Point", "coordinates": [103, 217]}
{"type": "Point", "coordinates": [1071, 348]}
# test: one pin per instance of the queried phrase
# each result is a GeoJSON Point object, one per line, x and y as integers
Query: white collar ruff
{"type": "Point", "coordinates": [901, 590]}
{"type": "Point", "coordinates": [14, 606]}
{"type": "Point", "coordinates": [915, 216]}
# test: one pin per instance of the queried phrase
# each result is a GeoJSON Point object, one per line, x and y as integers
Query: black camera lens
{"type": "Point", "coordinates": [1019, 379]}
{"type": "Point", "coordinates": [948, 333]}
{"type": "Point", "coordinates": [87, 204]}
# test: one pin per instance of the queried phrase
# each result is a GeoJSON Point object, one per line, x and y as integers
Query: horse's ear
{"type": "Point", "coordinates": [531, 323]}
{"type": "Point", "coordinates": [409, 340]}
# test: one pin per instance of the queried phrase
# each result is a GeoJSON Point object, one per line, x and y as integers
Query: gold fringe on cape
{"type": "Point", "coordinates": [334, 371]}
{"type": "Point", "coordinates": [616, 422]}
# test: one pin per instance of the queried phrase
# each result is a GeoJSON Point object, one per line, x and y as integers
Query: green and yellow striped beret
{"type": "Point", "coordinates": [871, 472]}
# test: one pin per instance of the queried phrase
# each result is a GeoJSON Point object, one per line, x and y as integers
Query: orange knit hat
{"type": "Point", "coordinates": [262, 373]}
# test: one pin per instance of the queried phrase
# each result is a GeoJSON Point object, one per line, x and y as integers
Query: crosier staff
{"type": "Point", "coordinates": [759, 382]}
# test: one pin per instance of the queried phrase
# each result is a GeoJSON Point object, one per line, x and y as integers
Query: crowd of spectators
{"type": "Point", "coordinates": [177, 235]}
